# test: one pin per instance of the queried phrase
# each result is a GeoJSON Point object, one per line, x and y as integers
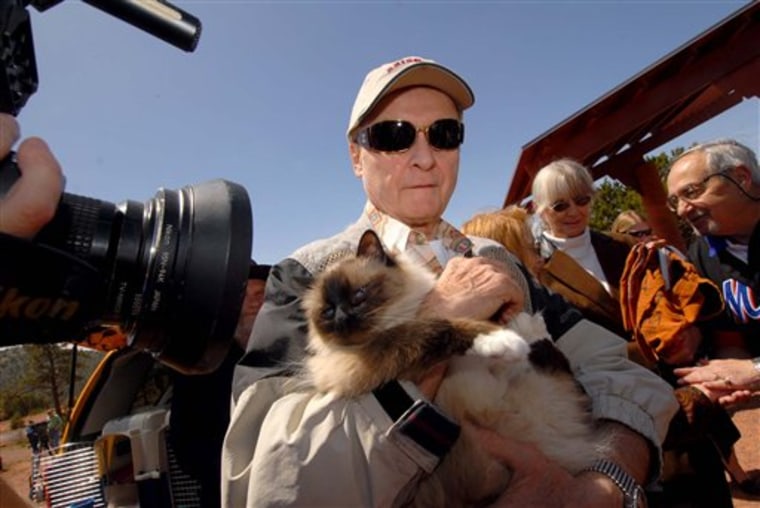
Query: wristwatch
{"type": "Point", "coordinates": [633, 494]}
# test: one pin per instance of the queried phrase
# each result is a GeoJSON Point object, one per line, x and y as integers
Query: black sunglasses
{"type": "Point", "coordinates": [399, 135]}
{"type": "Point", "coordinates": [562, 205]}
{"type": "Point", "coordinates": [641, 233]}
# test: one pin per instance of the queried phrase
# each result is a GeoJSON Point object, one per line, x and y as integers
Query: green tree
{"type": "Point", "coordinates": [612, 197]}
{"type": "Point", "coordinates": [48, 371]}
{"type": "Point", "coordinates": [36, 377]}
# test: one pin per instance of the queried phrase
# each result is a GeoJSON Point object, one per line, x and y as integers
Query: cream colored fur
{"type": "Point", "coordinates": [505, 392]}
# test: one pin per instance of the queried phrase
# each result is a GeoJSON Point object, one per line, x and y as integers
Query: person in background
{"type": "Point", "coordinates": [562, 193]}
{"type": "Point", "coordinates": [252, 302]}
{"type": "Point", "coordinates": [200, 407]}
{"type": "Point", "coordinates": [54, 428]}
{"type": "Point", "coordinates": [733, 379]}
{"type": "Point", "coordinates": [290, 446]}
{"type": "Point", "coordinates": [715, 187]}
{"type": "Point", "coordinates": [32, 437]}
{"type": "Point", "coordinates": [588, 274]}
{"type": "Point", "coordinates": [510, 227]}
{"type": "Point", "coordinates": [631, 223]}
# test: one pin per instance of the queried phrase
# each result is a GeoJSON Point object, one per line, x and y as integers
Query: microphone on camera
{"type": "Point", "coordinates": [157, 17]}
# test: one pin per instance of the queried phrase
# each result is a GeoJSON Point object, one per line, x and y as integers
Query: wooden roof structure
{"type": "Point", "coordinates": [706, 76]}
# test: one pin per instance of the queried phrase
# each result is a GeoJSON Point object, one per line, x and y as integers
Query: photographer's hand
{"type": "Point", "coordinates": [32, 200]}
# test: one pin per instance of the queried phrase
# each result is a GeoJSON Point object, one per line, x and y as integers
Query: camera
{"type": "Point", "coordinates": [169, 273]}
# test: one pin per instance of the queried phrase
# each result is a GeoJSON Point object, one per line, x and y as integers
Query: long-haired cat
{"type": "Point", "coordinates": [366, 328]}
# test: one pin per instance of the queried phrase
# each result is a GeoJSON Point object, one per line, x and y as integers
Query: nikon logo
{"type": "Point", "coordinates": [15, 305]}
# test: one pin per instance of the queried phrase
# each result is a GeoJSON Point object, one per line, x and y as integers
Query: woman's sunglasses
{"type": "Point", "coordinates": [399, 135]}
{"type": "Point", "coordinates": [562, 205]}
{"type": "Point", "coordinates": [641, 233]}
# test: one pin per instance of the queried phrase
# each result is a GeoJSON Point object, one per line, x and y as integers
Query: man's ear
{"type": "Point", "coordinates": [354, 150]}
{"type": "Point", "coordinates": [743, 176]}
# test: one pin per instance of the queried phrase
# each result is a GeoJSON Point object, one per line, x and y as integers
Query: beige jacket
{"type": "Point", "coordinates": [286, 447]}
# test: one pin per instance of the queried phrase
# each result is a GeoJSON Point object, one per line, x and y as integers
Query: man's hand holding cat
{"type": "Point", "coordinates": [475, 288]}
{"type": "Point", "coordinates": [540, 483]}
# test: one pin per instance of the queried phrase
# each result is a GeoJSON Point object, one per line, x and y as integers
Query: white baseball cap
{"type": "Point", "coordinates": [403, 73]}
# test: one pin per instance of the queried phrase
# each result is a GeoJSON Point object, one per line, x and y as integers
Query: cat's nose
{"type": "Point", "coordinates": [345, 320]}
{"type": "Point", "coordinates": [341, 317]}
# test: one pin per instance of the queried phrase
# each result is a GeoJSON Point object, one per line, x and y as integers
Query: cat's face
{"type": "Point", "coordinates": [350, 301]}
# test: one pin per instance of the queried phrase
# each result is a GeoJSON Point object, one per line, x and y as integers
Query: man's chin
{"type": "Point", "coordinates": [702, 226]}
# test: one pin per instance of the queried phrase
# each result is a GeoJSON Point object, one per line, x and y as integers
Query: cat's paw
{"type": "Point", "coordinates": [504, 344]}
{"type": "Point", "coordinates": [531, 327]}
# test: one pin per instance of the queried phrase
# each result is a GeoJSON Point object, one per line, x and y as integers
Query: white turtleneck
{"type": "Point", "coordinates": [580, 249]}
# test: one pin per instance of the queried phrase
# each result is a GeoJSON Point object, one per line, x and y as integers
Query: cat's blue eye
{"type": "Point", "coordinates": [328, 313]}
{"type": "Point", "coordinates": [359, 297]}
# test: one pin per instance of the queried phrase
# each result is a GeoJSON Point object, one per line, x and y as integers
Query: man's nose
{"type": "Point", "coordinates": [683, 207]}
{"type": "Point", "coordinates": [422, 153]}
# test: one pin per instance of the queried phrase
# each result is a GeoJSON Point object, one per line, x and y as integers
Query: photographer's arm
{"type": "Point", "coordinates": [32, 200]}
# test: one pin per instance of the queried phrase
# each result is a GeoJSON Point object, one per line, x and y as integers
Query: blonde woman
{"type": "Point", "coordinates": [630, 222]}
{"type": "Point", "coordinates": [588, 275]}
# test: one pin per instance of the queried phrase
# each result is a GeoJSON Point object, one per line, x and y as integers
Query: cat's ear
{"type": "Point", "coordinates": [370, 246]}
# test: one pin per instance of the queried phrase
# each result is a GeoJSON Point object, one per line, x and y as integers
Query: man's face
{"type": "Point", "coordinates": [714, 211]}
{"type": "Point", "coordinates": [254, 298]}
{"type": "Point", "coordinates": [413, 186]}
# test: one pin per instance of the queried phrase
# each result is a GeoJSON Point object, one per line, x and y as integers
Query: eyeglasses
{"type": "Point", "coordinates": [690, 192]}
{"type": "Point", "coordinates": [399, 135]}
{"type": "Point", "coordinates": [641, 233]}
{"type": "Point", "coordinates": [562, 205]}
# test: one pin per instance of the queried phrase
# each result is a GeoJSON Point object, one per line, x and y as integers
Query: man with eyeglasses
{"type": "Point", "coordinates": [715, 187]}
{"type": "Point", "coordinates": [294, 447]}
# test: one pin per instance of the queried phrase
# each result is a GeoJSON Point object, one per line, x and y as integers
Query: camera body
{"type": "Point", "coordinates": [169, 273]}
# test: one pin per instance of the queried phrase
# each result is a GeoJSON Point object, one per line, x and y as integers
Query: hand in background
{"type": "Point", "coordinates": [729, 380]}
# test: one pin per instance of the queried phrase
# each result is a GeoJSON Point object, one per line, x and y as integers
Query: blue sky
{"type": "Point", "coordinates": [265, 98]}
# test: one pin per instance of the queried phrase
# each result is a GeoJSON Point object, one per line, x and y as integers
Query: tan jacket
{"type": "Point", "coordinates": [289, 446]}
{"type": "Point", "coordinates": [563, 275]}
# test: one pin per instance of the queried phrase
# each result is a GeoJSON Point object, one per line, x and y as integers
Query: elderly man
{"type": "Point", "coordinates": [293, 447]}
{"type": "Point", "coordinates": [715, 187]}
{"type": "Point", "coordinates": [286, 446]}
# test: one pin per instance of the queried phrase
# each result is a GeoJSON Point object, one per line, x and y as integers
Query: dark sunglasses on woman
{"type": "Point", "coordinates": [562, 205]}
{"type": "Point", "coordinates": [641, 233]}
{"type": "Point", "coordinates": [399, 135]}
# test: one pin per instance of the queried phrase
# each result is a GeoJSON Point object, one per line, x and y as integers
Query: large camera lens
{"type": "Point", "coordinates": [170, 273]}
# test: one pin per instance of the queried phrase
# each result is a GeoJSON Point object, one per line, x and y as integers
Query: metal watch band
{"type": "Point", "coordinates": [633, 494]}
{"type": "Point", "coordinates": [756, 363]}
